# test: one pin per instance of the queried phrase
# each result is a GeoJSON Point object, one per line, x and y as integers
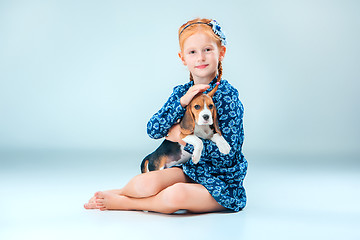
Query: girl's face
{"type": "Point", "coordinates": [201, 55]}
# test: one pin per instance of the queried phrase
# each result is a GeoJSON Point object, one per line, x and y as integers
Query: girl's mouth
{"type": "Point", "coordinates": [202, 66]}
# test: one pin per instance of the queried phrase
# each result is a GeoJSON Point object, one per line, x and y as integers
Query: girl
{"type": "Point", "coordinates": [215, 183]}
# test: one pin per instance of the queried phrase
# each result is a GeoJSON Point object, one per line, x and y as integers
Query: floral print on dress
{"type": "Point", "coordinates": [222, 175]}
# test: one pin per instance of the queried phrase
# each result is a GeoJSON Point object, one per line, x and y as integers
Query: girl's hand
{"type": "Point", "coordinates": [174, 135]}
{"type": "Point", "coordinates": [191, 93]}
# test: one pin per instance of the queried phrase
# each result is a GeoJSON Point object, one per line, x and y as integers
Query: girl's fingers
{"type": "Point", "coordinates": [201, 87]}
{"type": "Point", "coordinates": [191, 93]}
{"type": "Point", "coordinates": [198, 88]}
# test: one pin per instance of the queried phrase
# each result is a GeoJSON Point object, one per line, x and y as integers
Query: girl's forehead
{"type": "Point", "coordinates": [199, 40]}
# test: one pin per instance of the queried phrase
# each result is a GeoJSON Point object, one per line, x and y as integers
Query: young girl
{"type": "Point", "coordinates": [215, 183]}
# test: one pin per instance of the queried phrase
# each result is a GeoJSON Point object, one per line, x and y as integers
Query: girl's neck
{"type": "Point", "coordinates": [205, 80]}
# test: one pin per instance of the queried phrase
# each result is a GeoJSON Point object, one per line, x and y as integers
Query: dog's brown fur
{"type": "Point", "coordinates": [187, 124]}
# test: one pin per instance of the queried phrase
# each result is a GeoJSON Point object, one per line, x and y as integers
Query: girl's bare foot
{"type": "Point", "coordinates": [91, 204]}
{"type": "Point", "coordinates": [110, 201]}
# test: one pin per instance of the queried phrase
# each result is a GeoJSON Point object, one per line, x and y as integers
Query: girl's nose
{"type": "Point", "coordinates": [202, 56]}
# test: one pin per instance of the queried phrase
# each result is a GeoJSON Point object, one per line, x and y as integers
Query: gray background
{"type": "Point", "coordinates": [89, 74]}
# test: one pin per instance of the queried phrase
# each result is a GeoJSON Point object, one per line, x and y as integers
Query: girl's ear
{"type": "Point", "coordinates": [182, 58]}
{"type": "Point", "coordinates": [222, 53]}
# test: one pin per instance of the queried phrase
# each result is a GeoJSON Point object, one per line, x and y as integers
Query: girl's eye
{"type": "Point", "coordinates": [211, 106]}
{"type": "Point", "coordinates": [192, 52]}
{"type": "Point", "coordinates": [197, 107]}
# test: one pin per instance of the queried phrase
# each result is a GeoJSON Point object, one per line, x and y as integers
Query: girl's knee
{"type": "Point", "coordinates": [175, 196]}
{"type": "Point", "coordinates": [145, 185]}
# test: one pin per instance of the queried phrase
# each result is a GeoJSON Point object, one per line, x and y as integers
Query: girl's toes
{"type": "Point", "coordinates": [99, 195]}
{"type": "Point", "coordinates": [91, 205]}
{"type": "Point", "coordinates": [100, 203]}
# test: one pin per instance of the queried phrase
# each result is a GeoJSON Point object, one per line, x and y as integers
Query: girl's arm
{"type": "Point", "coordinates": [230, 113]}
{"type": "Point", "coordinates": [174, 135]}
{"type": "Point", "coordinates": [160, 123]}
{"type": "Point", "coordinates": [173, 110]}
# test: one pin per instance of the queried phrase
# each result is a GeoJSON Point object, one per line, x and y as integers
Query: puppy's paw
{"type": "Point", "coordinates": [224, 147]}
{"type": "Point", "coordinates": [196, 157]}
{"type": "Point", "coordinates": [221, 143]}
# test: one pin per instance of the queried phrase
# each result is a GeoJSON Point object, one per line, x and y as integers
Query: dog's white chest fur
{"type": "Point", "coordinates": [203, 131]}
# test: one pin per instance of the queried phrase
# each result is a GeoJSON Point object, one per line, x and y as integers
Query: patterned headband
{"type": "Point", "coordinates": [214, 26]}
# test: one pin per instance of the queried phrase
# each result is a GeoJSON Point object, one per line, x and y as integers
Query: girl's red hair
{"type": "Point", "coordinates": [195, 26]}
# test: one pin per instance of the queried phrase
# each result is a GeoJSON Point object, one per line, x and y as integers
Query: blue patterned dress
{"type": "Point", "coordinates": [222, 175]}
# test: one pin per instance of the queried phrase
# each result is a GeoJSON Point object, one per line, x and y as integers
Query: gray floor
{"type": "Point", "coordinates": [42, 194]}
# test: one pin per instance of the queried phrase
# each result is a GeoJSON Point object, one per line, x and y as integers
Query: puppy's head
{"type": "Point", "coordinates": [201, 111]}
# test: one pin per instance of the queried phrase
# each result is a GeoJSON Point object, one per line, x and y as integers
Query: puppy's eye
{"type": "Point", "coordinates": [211, 106]}
{"type": "Point", "coordinates": [197, 107]}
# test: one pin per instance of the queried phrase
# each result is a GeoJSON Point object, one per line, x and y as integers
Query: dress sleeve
{"type": "Point", "coordinates": [160, 123]}
{"type": "Point", "coordinates": [230, 118]}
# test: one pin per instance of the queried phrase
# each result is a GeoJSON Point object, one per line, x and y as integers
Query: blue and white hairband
{"type": "Point", "coordinates": [215, 27]}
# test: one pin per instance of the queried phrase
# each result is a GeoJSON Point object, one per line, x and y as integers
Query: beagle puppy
{"type": "Point", "coordinates": [199, 121]}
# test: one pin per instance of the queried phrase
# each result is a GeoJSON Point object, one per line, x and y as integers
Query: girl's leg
{"type": "Point", "coordinates": [151, 183]}
{"type": "Point", "coordinates": [188, 196]}
{"type": "Point", "coordinates": [147, 184]}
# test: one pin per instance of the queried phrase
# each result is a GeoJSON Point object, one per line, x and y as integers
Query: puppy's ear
{"type": "Point", "coordinates": [215, 121]}
{"type": "Point", "coordinates": [187, 123]}
{"type": "Point", "coordinates": [212, 92]}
